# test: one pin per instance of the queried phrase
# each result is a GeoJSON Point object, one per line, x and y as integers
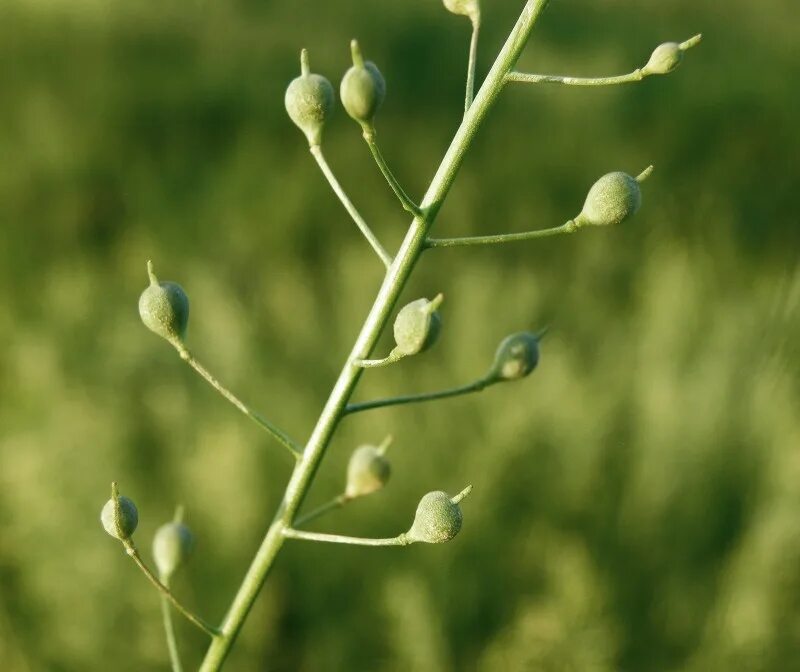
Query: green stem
{"type": "Point", "coordinates": [405, 200]}
{"type": "Point", "coordinates": [473, 59]}
{"type": "Point", "coordinates": [477, 386]}
{"type": "Point", "coordinates": [529, 78]}
{"type": "Point", "coordinates": [260, 420]}
{"type": "Point", "coordinates": [316, 152]}
{"type": "Point", "coordinates": [391, 358]}
{"type": "Point", "coordinates": [380, 313]}
{"type": "Point", "coordinates": [568, 227]}
{"type": "Point", "coordinates": [130, 549]}
{"type": "Point", "coordinates": [169, 630]}
{"type": "Point", "coordinates": [335, 503]}
{"type": "Point", "coordinates": [399, 540]}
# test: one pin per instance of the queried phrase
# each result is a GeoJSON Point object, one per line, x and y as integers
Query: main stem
{"type": "Point", "coordinates": [396, 277]}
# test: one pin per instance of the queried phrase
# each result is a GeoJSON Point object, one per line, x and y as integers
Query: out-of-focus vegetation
{"type": "Point", "coordinates": [637, 500]}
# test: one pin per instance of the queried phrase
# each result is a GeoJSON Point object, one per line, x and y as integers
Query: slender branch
{"type": "Point", "coordinates": [477, 386]}
{"type": "Point", "coordinates": [391, 358]}
{"type": "Point", "coordinates": [316, 152]}
{"type": "Point", "coordinates": [405, 200]}
{"type": "Point", "coordinates": [636, 76]}
{"type": "Point", "coordinates": [335, 503]}
{"type": "Point", "coordinates": [568, 227]}
{"type": "Point", "coordinates": [380, 313]}
{"type": "Point", "coordinates": [169, 630]}
{"type": "Point", "coordinates": [473, 59]}
{"type": "Point", "coordinates": [130, 549]}
{"type": "Point", "coordinates": [400, 540]}
{"type": "Point", "coordinates": [259, 419]}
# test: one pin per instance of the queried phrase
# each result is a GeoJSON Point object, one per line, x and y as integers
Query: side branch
{"type": "Point", "coordinates": [477, 386]}
{"type": "Point", "coordinates": [400, 540]}
{"type": "Point", "coordinates": [260, 420]}
{"type": "Point", "coordinates": [316, 152]}
{"type": "Point", "coordinates": [663, 61]}
{"type": "Point", "coordinates": [568, 227]}
{"type": "Point", "coordinates": [405, 200]}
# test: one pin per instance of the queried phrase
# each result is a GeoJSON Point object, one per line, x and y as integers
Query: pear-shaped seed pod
{"type": "Point", "coordinates": [309, 102]}
{"type": "Point", "coordinates": [172, 545]}
{"type": "Point", "coordinates": [664, 59]}
{"type": "Point", "coordinates": [119, 516]}
{"type": "Point", "coordinates": [611, 200]}
{"type": "Point", "coordinates": [363, 88]}
{"type": "Point", "coordinates": [368, 470]}
{"type": "Point", "coordinates": [438, 518]}
{"type": "Point", "coordinates": [516, 356]}
{"type": "Point", "coordinates": [164, 308]}
{"type": "Point", "coordinates": [417, 326]}
{"type": "Point", "coordinates": [469, 8]}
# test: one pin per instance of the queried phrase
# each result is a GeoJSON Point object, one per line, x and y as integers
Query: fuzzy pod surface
{"type": "Point", "coordinates": [516, 356]}
{"type": "Point", "coordinates": [310, 101]}
{"type": "Point", "coordinates": [172, 546]}
{"type": "Point", "coordinates": [664, 59]}
{"type": "Point", "coordinates": [367, 471]}
{"type": "Point", "coordinates": [363, 88]}
{"type": "Point", "coordinates": [164, 308]}
{"type": "Point", "coordinates": [438, 519]}
{"type": "Point", "coordinates": [469, 8]}
{"type": "Point", "coordinates": [119, 517]}
{"type": "Point", "coordinates": [612, 199]}
{"type": "Point", "coordinates": [417, 326]}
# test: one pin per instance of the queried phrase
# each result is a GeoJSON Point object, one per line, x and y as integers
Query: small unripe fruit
{"type": "Point", "coordinates": [664, 59]}
{"type": "Point", "coordinates": [612, 199]}
{"type": "Point", "coordinates": [469, 8]}
{"type": "Point", "coordinates": [164, 308]}
{"type": "Point", "coordinates": [362, 89]}
{"type": "Point", "coordinates": [368, 470]}
{"type": "Point", "coordinates": [438, 518]}
{"type": "Point", "coordinates": [309, 102]}
{"type": "Point", "coordinates": [417, 326]}
{"type": "Point", "coordinates": [172, 545]}
{"type": "Point", "coordinates": [119, 516]}
{"type": "Point", "coordinates": [516, 356]}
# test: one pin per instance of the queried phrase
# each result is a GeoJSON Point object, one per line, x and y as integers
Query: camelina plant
{"type": "Point", "coordinates": [164, 309]}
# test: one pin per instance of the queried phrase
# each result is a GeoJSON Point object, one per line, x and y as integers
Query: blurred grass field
{"type": "Point", "coordinates": [636, 502]}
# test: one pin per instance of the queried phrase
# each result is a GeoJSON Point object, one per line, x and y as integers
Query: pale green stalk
{"type": "Point", "coordinates": [169, 631]}
{"type": "Point", "coordinates": [316, 152]}
{"type": "Point", "coordinates": [396, 278]}
{"type": "Point", "coordinates": [405, 200]}
{"type": "Point", "coordinates": [473, 61]}
{"type": "Point", "coordinates": [568, 227]}
{"type": "Point", "coordinates": [477, 386]}
{"type": "Point", "coordinates": [130, 549]}
{"type": "Point", "coordinates": [256, 417]}
{"type": "Point", "coordinates": [336, 503]}
{"type": "Point", "coordinates": [399, 540]}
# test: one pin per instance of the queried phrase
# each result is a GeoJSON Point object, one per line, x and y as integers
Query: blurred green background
{"type": "Point", "coordinates": [637, 500]}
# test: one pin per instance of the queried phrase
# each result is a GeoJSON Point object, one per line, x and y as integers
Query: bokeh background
{"type": "Point", "coordinates": [637, 500]}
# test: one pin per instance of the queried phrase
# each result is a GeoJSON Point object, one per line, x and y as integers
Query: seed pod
{"type": "Point", "coordinates": [469, 8]}
{"type": "Point", "coordinates": [664, 59]}
{"type": "Point", "coordinates": [612, 199]}
{"type": "Point", "coordinates": [362, 89]}
{"type": "Point", "coordinates": [164, 308]}
{"type": "Point", "coordinates": [309, 101]}
{"type": "Point", "coordinates": [119, 515]}
{"type": "Point", "coordinates": [438, 518]}
{"type": "Point", "coordinates": [368, 470]}
{"type": "Point", "coordinates": [516, 356]}
{"type": "Point", "coordinates": [172, 545]}
{"type": "Point", "coordinates": [417, 326]}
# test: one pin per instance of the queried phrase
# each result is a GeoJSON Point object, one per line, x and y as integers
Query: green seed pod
{"type": "Point", "coordinates": [309, 102]}
{"type": "Point", "coordinates": [164, 308]}
{"type": "Point", "coordinates": [516, 356]}
{"type": "Point", "coordinates": [368, 470]}
{"type": "Point", "coordinates": [664, 59]}
{"type": "Point", "coordinates": [417, 326]}
{"type": "Point", "coordinates": [172, 545]}
{"type": "Point", "coordinates": [612, 199]}
{"type": "Point", "coordinates": [362, 89]}
{"type": "Point", "coordinates": [119, 515]}
{"type": "Point", "coordinates": [438, 518]}
{"type": "Point", "coordinates": [469, 8]}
